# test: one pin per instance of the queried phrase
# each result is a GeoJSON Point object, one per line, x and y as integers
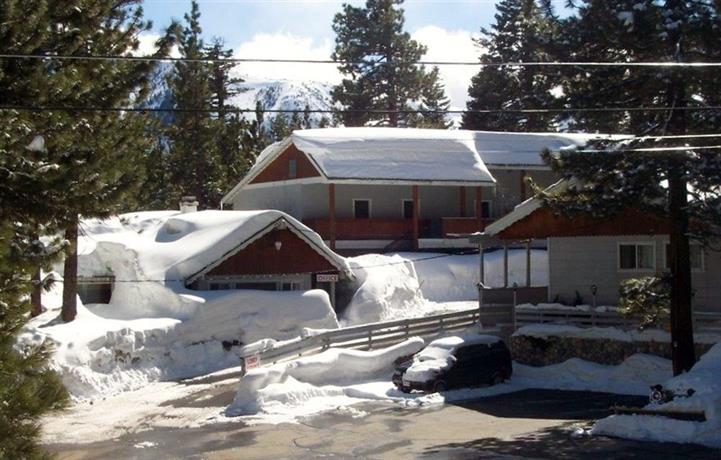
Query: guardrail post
{"type": "Point", "coordinates": [440, 325]}
{"type": "Point", "coordinates": [370, 339]}
{"type": "Point", "coordinates": [407, 328]}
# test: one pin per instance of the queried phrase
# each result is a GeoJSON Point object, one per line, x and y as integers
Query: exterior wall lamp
{"type": "Point", "coordinates": [278, 245]}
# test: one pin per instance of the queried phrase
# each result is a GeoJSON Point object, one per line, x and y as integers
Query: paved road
{"type": "Point", "coordinates": [526, 424]}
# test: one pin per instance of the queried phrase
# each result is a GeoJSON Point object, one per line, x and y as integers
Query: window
{"type": "Point", "coordinates": [292, 168]}
{"type": "Point", "coordinates": [362, 209]}
{"type": "Point", "coordinates": [697, 257]}
{"type": "Point", "coordinates": [219, 286]}
{"type": "Point", "coordinates": [260, 286]}
{"type": "Point", "coordinates": [408, 209]}
{"type": "Point", "coordinates": [636, 256]}
{"type": "Point", "coordinates": [485, 209]}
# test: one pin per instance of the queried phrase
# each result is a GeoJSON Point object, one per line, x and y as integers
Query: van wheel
{"type": "Point", "coordinates": [440, 386]}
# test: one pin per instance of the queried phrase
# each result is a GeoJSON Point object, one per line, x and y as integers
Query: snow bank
{"type": "Point", "coordinates": [406, 285]}
{"type": "Point", "coordinates": [634, 376]}
{"type": "Point", "coordinates": [97, 355]}
{"type": "Point", "coordinates": [705, 379]}
{"type": "Point", "coordinates": [299, 381]}
{"type": "Point", "coordinates": [389, 289]}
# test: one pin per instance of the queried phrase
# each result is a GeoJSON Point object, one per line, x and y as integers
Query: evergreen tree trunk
{"type": "Point", "coordinates": [36, 295]}
{"type": "Point", "coordinates": [682, 353]}
{"type": "Point", "coordinates": [70, 275]}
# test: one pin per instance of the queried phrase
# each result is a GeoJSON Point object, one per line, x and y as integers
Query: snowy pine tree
{"type": "Point", "coordinates": [525, 30]}
{"type": "Point", "coordinates": [681, 187]}
{"type": "Point", "coordinates": [379, 61]}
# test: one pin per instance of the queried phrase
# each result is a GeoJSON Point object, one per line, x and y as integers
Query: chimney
{"type": "Point", "coordinates": [188, 204]}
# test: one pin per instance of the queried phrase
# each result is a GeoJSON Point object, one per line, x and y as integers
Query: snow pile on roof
{"type": "Point", "coordinates": [394, 154]}
{"type": "Point", "coordinates": [705, 379]}
{"type": "Point", "coordinates": [407, 285]}
{"type": "Point", "coordinates": [438, 356]}
{"type": "Point", "coordinates": [298, 382]}
{"type": "Point", "coordinates": [97, 355]}
{"type": "Point", "coordinates": [151, 254]}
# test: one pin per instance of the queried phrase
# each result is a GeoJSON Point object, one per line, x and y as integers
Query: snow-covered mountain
{"type": "Point", "coordinates": [273, 94]}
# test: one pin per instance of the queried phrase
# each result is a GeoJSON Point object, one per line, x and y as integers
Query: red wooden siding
{"type": "Point", "coordinates": [278, 170]}
{"type": "Point", "coordinates": [543, 223]}
{"type": "Point", "coordinates": [262, 258]}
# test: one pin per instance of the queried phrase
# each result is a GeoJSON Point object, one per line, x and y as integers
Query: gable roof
{"type": "Point", "coordinates": [171, 246]}
{"type": "Point", "coordinates": [413, 156]}
{"type": "Point", "coordinates": [531, 219]}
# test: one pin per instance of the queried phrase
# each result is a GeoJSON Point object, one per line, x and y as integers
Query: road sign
{"type": "Point", "coordinates": [326, 278]}
{"type": "Point", "coordinates": [252, 362]}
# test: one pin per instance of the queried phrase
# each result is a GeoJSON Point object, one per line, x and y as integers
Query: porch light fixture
{"type": "Point", "coordinates": [278, 245]}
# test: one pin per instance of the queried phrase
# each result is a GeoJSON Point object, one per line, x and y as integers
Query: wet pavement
{"type": "Point", "coordinates": [526, 424]}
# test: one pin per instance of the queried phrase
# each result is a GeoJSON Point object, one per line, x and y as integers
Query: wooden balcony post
{"type": "Point", "coordinates": [528, 263]}
{"type": "Point", "coordinates": [462, 204]}
{"type": "Point", "coordinates": [415, 217]}
{"type": "Point", "coordinates": [479, 198]}
{"type": "Point", "coordinates": [331, 215]}
{"type": "Point", "coordinates": [505, 265]}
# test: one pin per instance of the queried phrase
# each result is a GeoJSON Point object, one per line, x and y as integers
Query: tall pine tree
{"type": "Point", "coordinates": [525, 30]}
{"type": "Point", "coordinates": [193, 159]}
{"type": "Point", "coordinates": [379, 61]}
{"type": "Point", "coordinates": [681, 187]}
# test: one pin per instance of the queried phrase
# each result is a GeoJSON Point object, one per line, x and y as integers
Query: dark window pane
{"type": "Point", "coordinates": [361, 209]}
{"type": "Point", "coordinates": [485, 209]}
{"type": "Point", "coordinates": [627, 256]}
{"type": "Point", "coordinates": [407, 209]}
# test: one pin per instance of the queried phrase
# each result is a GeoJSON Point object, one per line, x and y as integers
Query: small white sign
{"type": "Point", "coordinates": [326, 278]}
{"type": "Point", "coordinates": [252, 362]}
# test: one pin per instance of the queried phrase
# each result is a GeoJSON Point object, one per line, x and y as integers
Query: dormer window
{"type": "Point", "coordinates": [292, 168]}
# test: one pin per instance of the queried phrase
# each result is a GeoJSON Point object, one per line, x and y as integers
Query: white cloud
{"type": "Point", "coordinates": [286, 46]}
{"type": "Point", "coordinates": [147, 45]}
{"type": "Point", "coordinates": [451, 45]}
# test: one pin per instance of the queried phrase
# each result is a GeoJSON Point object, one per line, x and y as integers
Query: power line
{"type": "Point", "coordinates": [333, 111]}
{"type": "Point", "coordinates": [108, 57]}
{"type": "Point", "coordinates": [650, 149]}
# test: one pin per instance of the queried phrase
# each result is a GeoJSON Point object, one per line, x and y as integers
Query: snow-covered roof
{"type": "Point", "coordinates": [408, 155]}
{"type": "Point", "coordinates": [174, 246]}
{"type": "Point", "coordinates": [416, 155]}
{"type": "Point", "coordinates": [520, 211]}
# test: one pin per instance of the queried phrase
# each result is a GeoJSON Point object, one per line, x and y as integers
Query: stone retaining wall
{"type": "Point", "coordinates": [537, 351]}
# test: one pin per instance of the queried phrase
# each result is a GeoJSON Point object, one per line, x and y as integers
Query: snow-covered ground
{"type": "Point", "coordinates": [705, 379]}
{"type": "Point", "coordinates": [407, 285]}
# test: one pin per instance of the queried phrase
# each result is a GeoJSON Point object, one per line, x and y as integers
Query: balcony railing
{"type": "Point", "coordinates": [394, 229]}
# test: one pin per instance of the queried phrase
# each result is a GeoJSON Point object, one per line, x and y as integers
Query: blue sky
{"type": "Point", "coordinates": [301, 29]}
{"type": "Point", "coordinates": [240, 20]}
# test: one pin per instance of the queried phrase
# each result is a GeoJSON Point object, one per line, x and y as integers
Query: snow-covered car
{"type": "Point", "coordinates": [455, 362]}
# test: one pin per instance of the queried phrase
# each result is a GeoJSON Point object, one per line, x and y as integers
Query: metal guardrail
{"type": "Point", "coordinates": [375, 335]}
{"type": "Point", "coordinates": [383, 334]}
{"type": "Point", "coordinates": [703, 321]}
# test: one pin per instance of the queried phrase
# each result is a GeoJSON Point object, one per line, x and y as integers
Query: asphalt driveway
{"type": "Point", "coordinates": [526, 424]}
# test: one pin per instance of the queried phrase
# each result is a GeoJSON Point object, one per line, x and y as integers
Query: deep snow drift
{"type": "Point", "coordinates": [408, 285]}
{"type": "Point", "coordinates": [153, 328]}
{"type": "Point", "coordinates": [705, 379]}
